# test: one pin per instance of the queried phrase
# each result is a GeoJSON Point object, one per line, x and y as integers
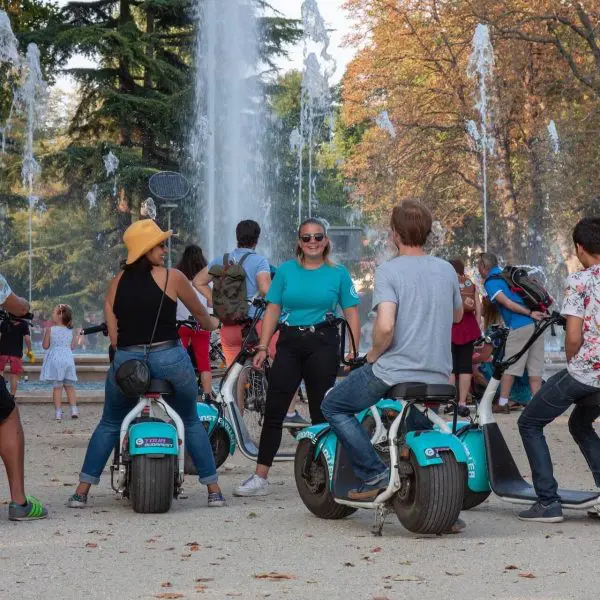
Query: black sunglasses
{"type": "Point", "coordinates": [318, 237]}
{"type": "Point", "coordinates": [162, 245]}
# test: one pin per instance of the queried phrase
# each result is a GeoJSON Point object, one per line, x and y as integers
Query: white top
{"type": "Point", "coordinates": [59, 364]}
{"type": "Point", "coordinates": [183, 313]}
{"type": "Point", "coordinates": [582, 300]}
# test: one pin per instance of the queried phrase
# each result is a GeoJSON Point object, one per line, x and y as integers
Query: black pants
{"type": "Point", "coordinates": [301, 355]}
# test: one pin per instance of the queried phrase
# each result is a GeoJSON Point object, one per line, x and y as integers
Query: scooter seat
{"type": "Point", "coordinates": [160, 386]}
{"type": "Point", "coordinates": [439, 392]}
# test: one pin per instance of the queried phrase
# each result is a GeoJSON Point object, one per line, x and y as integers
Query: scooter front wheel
{"type": "Point", "coordinates": [313, 483]}
{"type": "Point", "coordinates": [152, 483]}
{"type": "Point", "coordinates": [431, 498]}
{"type": "Point", "coordinates": [219, 443]}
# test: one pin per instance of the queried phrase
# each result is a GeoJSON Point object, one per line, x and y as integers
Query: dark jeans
{"type": "Point", "coordinates": [360, 390]}
{"type": "Point", "coordinates": [309, 356]}
{"type": "Point", "coordinates": [555, 397]}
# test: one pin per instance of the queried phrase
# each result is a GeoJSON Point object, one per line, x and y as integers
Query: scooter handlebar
{"type": "Point", "coordinates": [102, 328]}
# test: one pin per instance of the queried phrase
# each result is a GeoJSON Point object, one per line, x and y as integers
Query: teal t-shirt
{"type": "Point", "coordinates": [308, 295]}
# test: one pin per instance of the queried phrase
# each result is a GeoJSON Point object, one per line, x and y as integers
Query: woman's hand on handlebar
{"type": "Point", "coordinates": [259, 359]}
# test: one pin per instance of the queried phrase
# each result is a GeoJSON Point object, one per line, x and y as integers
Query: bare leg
{"type": "Point", "coordinates": [83, 489]}
{"type": "Point", "coordinates": [57, 397]}
{"type": "Point", "coordinates": [506, 385]}
{"type": "Point", "coordinates": [464, 385]}
{"type": "Point", "coordinates": [240, 389]}
{"type": "Point", "coordinates": [535, 383]}
{"type": "Point", "coordinates": [12, 451]}
{"type": "Point", "coordinates": [71, 395]}
{"type": "Point", "coordinates": [206, 380]}
{"type": "Point", "coordinates": [14, 380]}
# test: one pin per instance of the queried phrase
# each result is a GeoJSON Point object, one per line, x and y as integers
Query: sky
{"type": "Point", "coordinates": [333, 14]}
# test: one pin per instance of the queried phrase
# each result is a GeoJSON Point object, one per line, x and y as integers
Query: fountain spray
{"type": "Point", "coordinates": [481, 67]}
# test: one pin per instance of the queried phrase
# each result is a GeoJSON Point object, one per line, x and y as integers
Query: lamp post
{"type": "Point", "coordinates": [169, 208]}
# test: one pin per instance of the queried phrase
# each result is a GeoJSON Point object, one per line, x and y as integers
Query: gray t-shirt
{"type": "Point", "coordinates": [426, 291]}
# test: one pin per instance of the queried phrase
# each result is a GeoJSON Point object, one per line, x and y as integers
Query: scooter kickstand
{"type": "Point", "coordinates": [381, 513]}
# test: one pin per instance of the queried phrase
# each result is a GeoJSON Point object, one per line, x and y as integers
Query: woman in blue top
{"type": "Point", "coordinates": [307, 289]}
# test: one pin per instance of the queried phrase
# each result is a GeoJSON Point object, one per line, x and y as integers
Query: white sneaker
{"type": "Point", "coordinates": [58, 414]}
{"type": "Point", "coordinates": [253, 486]}
{"type": "Point", "coordinates": [74, 412]}
{"type": "Point", "coordinates": [594, 512]}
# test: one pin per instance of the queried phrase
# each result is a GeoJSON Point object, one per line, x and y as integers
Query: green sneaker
{"type": "Point", "coordinates": [32, 511]}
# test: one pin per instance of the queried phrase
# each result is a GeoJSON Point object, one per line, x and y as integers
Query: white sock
{"type": "Point", "coordinates": [503, 401]}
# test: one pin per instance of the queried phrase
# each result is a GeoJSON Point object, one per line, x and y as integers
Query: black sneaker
{"type": "Point", "coordinates": [543, 514]}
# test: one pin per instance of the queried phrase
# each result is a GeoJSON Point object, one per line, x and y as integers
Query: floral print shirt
{"type": "Point", "coordinates": [5, 290]}
{"type": "Point", "coordinates": [582, 299]}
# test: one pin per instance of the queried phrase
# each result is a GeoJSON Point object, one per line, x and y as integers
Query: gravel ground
{"type": "Point", "coordinates": [108, 551]}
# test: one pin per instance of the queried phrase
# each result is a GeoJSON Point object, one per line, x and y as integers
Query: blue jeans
{"type": "Point", "coordinates": [173, 365]}
{"type": "Point", "coordinates": [360, 390]}
{"type": "Point", "coordinates": [555, 397]}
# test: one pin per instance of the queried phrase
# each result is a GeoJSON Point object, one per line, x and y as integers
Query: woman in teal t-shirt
{"type": "Point", "coordinates": [307, 290]}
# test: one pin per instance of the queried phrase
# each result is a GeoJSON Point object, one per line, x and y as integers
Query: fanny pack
{"type": "Point", "coordinates": [133, 376]}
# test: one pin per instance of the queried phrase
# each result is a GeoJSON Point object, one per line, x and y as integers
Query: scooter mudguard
{"type": "Point", "coordinates": [426, 446]}
{"type": "Point", "coordinates": [208, 414]}
{"type": "Point", "coordinates": [153, 437]}
{"type": "Point", "coordinates": [477, 471]}
{"type": "Point", "coordinates": [325, 442]}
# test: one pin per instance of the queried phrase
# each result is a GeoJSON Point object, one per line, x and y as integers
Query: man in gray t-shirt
{"type": "Point", "coordinates": [417, 298]}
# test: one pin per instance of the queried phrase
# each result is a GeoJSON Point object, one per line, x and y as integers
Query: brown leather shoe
{"type": "Point", "coordinates": [365, 493]}
{"type": "Point", "coordinates": [505, 410]}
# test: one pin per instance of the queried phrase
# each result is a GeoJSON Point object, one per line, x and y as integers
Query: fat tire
{"type": "Point", "coordinates": [320, 504]}
{"type": "Point", "coordinates": [152, 483]}
{"type": "Point", "coordinates": [433, 504]}
{"type": "Point", "coordinates": [219, 442]}
{"type": "Point", "coordinates": [473, 499]}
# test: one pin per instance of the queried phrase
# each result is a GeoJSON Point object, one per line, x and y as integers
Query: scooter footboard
{"type": "Point", "coordinates": [427, 445]}
{"type": "Point", "coordinates": [153, 437]}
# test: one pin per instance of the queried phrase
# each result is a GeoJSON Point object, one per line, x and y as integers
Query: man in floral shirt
{"type": "Point", "coordinates": [12, 441]}
{"type": "Point", "coordinates": [578, 384]}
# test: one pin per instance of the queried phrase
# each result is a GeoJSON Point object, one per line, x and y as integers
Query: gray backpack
{"type": "Point", "coordinates": [230, 298]}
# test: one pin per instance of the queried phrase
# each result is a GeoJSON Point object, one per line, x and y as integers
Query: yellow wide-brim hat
{"type": "Point", "coordinates": [141, 237]}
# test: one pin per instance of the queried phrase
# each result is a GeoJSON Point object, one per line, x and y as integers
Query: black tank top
{"type": "Point", "coordinates": [136, 304]}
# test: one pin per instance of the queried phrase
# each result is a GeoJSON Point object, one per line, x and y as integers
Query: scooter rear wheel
{"type": "Point", "coordinates": [431, 498]}
{"type": "Point", "coordinates": [152, 483]}
{"type": "Point", "coordinates": [315, 491]}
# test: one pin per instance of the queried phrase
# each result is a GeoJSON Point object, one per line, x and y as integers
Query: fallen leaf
{"type": "Point", "coordinates": [151, 541]}
{"type": "Point", "coordinates": [348, 564]}
{"type": "Point", "coordinates": [192, 544]}
{"type": "Point", "coordinates": [406, 562]}
{"type": "Point", "coordinates": [407, 578]}
{"type": "Point", "coordinates": [453, 574]}
{"type": "Point", "coordinates": [169, 595]}
{"type": "Point", "coordinates": [252, 515]}
{"type": "Point", "coordinates": [511, 568]}
{"type": "Point", "coordinates": [527, 575]}
{"type": "Point", "coordinates": [274, 576]}
{"type": "Point", "coordinates": [234, 594]}
{"type": "Point", "coordinates": [91, 545]}
{"type": "Point", "coordinates": [376, 549]}
{"type": "Point", "coordinates": [200, 588]}
{"type": "Point", "coordinates": [308, 535]}
{"type": "Point", "coordinates": [204, 579]}
{"type": "Point", "coordinates": [194, 548]}
{"type": "Point", "coordinates": [380, 598]}
{"type": "Point", "coordinates": [166, 584]}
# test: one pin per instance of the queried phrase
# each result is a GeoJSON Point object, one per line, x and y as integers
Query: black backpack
{"type": "Point", "coordinates": [527, 286]}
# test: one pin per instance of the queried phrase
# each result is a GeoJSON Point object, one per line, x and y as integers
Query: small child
{"type": "Point", "coordinates": [12, 336]}
{"type": "Point", "coordinates": [59, 365]}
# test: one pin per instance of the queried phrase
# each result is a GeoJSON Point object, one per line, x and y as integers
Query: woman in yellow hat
{"type": "Point", "coordinates": [131, 309]}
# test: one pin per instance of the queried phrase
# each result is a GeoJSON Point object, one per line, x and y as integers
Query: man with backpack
{"type": "Point", "coordinates": [237, 277]}
{"type": "Point", "coordinates": [520, 319]}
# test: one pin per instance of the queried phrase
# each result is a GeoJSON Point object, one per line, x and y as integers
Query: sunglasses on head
{"type": "Point", "coordinates": [318, 237]}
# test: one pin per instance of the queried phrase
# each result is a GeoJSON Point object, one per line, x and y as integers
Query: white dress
{"type": "Point", "coordinates": [59, 364]}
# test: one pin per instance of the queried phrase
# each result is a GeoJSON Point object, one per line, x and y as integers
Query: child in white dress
{"type": "Point", "coordinates": [59, 365]}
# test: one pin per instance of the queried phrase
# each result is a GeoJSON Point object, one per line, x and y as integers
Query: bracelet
{"type": "Point", "coordinates": [262, 347]}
